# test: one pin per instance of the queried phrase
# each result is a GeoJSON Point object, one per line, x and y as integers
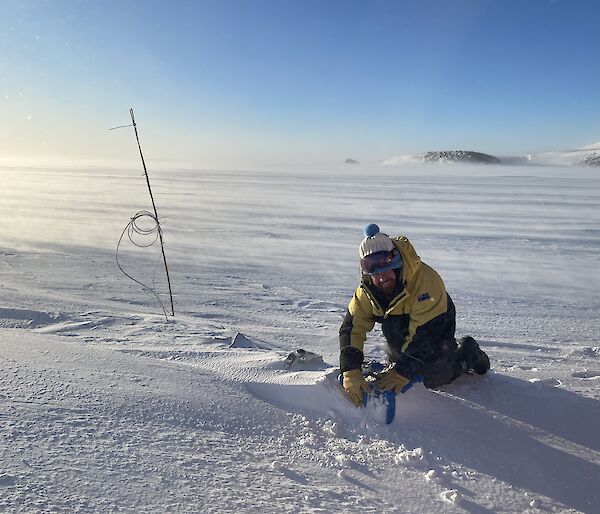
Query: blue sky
{"type": "Point", "coordinates": [234, 84]}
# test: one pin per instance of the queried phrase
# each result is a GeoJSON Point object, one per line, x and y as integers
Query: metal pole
{"type": "Point", "coordinates": [162, 248]}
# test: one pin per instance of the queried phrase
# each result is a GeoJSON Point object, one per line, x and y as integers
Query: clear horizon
{"type": "Point", "coordinates": [230, 84]}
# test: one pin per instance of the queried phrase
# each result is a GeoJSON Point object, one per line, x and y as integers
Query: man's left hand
{"type": "Point", "coordinates": [391, 380]}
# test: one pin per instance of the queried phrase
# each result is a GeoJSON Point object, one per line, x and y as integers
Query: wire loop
{"type": "Point", "coordinates": [136, 234]}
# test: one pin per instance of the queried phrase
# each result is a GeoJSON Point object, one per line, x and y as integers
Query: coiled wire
{"type": "Point", "coordinates": [142, 237]}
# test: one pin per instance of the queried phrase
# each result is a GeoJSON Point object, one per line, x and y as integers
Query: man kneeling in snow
{"type": "Point", "coordinates": [417, 316]}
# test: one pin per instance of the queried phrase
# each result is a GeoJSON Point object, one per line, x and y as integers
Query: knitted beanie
{"type": "Point", "coordinates": [374, 241]}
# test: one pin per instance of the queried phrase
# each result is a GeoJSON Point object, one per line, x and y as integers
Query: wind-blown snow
{"type": "Point", "coordinates": [106, 406]}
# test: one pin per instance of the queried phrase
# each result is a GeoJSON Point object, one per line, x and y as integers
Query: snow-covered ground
{"type": "Point", "coordinates": [108, 407]}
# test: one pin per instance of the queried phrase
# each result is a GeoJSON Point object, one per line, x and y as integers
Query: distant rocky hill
{"type": "Point", "coordinates": [457, 156]}
{"type": "Point", "coordinates": [591, 160]}
{"type": "Point", "coordinates": [585, 156]}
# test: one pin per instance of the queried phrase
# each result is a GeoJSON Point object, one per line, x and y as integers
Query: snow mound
{"type": "Point", "coordinates": [27, 318]}
{"type": "Point", "coordinates": [241, 341]}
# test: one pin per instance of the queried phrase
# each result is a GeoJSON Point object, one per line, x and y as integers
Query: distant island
{"type": "Point", "coordinates": [350, 161]}
{"type": "Point", "coordinates": [457, 156]}
{"type": "Point", "coordinates": [591, 160]}
{"type": "Point", "coordinates": [586, 156]}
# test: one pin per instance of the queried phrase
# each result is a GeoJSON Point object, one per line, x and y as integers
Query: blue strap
{"type": "Point", "coordinates": [415, 380]}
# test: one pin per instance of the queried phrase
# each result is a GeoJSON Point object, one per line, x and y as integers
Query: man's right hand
{"type": "Point", "coordinates": [355, 386]}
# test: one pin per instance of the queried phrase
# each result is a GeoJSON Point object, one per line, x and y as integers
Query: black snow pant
{"type": "Point", "coordinates": [432, 353]}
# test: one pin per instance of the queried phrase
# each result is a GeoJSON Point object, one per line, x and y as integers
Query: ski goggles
{"type": "Point", "coordinates": [379, 262]}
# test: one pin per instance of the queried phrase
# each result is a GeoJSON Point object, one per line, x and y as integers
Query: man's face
{"type": "Point", "coordinates": [385, 281]}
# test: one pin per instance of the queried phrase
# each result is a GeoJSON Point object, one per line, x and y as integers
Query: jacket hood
{"type": "Point", "coordinates": [412, 262]}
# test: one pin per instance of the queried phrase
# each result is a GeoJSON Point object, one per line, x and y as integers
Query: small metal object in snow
{"type": "Point", "coordinates": [301, 356]}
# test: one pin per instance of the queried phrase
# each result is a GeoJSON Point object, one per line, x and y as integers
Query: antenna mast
{"type": "Point", "coordinates": [162, 248]}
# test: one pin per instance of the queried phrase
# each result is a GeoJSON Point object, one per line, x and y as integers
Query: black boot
{"type": "Point", "coordinates": [471, 357]}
